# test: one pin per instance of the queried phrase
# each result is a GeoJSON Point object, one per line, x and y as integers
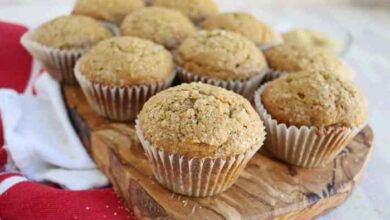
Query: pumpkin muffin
{"type": "Point", "coordinates": [299, 57]}
{"type": "Point", "coordinates": [119, 74]}
{"type": "Point", "coordinates": [198, 122]}
{"type": "Point", "coordinates": [196, 10]}
{"type": "Point", "coordinates": [162, 25]}
{"type": "Point", "coordinates": [312, 38]}
{"type": "Point", "coordinates": [221, 58]}
{"type": "Point", "coordinates": [58, 43]}
{"type": "Point", "coordinates": [245, 24]}
{"type": "Point", "coordinates": [319, 112]}
{"type": "Point", "coordinates": [112, 11]}
{"type": "Point", "coordinates": [71, 32]}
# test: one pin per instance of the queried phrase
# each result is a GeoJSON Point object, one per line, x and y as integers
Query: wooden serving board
{"type": "Point", "coordinates": [266, 189]}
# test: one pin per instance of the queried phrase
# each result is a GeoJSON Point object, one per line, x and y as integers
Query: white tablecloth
{"type": "Point", "coordinates": [369, 56]}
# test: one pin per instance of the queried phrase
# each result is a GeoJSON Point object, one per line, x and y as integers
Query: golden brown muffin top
{"type": "Point", "coordinates": [123, 61]}
{"type": "Point", "coordinates": [243, 23]}
{"type": "Point", "coordinates": [315, 99]}
{"type": "Point", "coordinates": [196, 10]}
{"type": "Point", "coordinates": [107, 10]}
{"type": "Point", "coordinates": [201, 120]}
{"type": "Point", "coordinates": [312, 38]}
{"type": "Point", "coordinates": [220, 54]}
{"type": "Point", "coordinates": [162, 25]}
{"type": "Point", "coordinates": [71, 32]}
{"type": "Point", "coordinates": [298, 57]}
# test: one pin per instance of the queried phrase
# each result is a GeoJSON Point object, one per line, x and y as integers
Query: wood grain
{"type": "Point", "coordinates": [266, 189]}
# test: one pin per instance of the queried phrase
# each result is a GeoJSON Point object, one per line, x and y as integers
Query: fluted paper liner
{"type": "Point", "coordinates": [112, 27]}
{"type": "Point", "coordinates": [244, 87]}
{"type": "Point", "coordinates": [190, 176]}
{"type": "Point", "coordinates": [265, 46]}
{"type": "Point", "coordinates": [272, 75]}
{"type": "Point", "coordinates": [303, 146]}
{"type": "Point", "coordinates": [59, 63]}
{"type": "Point", "coordinates": [118, 103]}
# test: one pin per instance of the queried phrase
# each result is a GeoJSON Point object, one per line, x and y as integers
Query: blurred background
{"type": "Point", "coordinates": [366, 22]}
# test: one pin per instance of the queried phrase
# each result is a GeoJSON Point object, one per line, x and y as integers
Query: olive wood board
{"type": "Point", "coordinates": [266, 189]}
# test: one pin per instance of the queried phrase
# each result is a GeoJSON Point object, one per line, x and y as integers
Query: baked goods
{"type": "Point", "coordinates": [315, 100]}
{"type": "Point", "coordinates": [245, 24]}
{"type": "Point", "coordinates": [196, 10]}
{"type": "Point", "coordinates": [123, 61]}
{"type": "Point", "coordinates": [310, 116]}
{"type": "Point", "coordinates": [203, 124]}
{"type": "Point", "coordinates": [300, 57]}
{"type": "Point", "coordinates": [312, 38]}
{"type": "Point", "coordinates": [119, 74]}
{"type": "Point", "coordinates": [221, 58]}
{"type": "Point", "coordinates": [70, 32]}
{"type": "Point", "coordinates": [58, 43]}
{"type": "Point", "coordinates": [164, 26]}
{"type": "Point", "coordinates": [112, 11]}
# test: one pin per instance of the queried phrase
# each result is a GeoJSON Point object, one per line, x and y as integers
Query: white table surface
{"type": "Point", "coordinates": [369, 56]}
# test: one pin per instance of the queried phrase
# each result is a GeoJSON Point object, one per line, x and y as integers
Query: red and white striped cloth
{"type": "Point", "coordinates": [24, 199]}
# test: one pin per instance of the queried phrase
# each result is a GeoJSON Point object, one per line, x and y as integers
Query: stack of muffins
{"type": "Point", "coordinates": [200, 134]}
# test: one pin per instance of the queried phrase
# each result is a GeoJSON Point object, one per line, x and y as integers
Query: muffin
{"type": "Point", "coordinates": [244, 24]}
{"type": "Point", "coordinates": [60, 42]}
{"type": "Point", "coordinates": [199, 137]}
{"type": "Point", "coordinates": [119, 74]}
{"type": "Point", "coordinates": [299, 57]}
{"type": "Point", "coordinates": [164, 26]}
{"type": "Point", "coordinates": [310, 116]}
{"type": "Point", "coordinates": [111, 11]}
{"type": "Point", "coordinates": [196, 10]}
{"type": "Point", "coordinates": [221, 58]}
{"type": "Point", "coordinates": [312, 38]}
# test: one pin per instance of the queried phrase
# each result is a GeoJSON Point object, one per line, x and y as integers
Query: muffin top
{"type": "Point", "coordinates": [123, 61]}
{"type": "Point", "coordinates": [298, 57]}
{"type": "Point", "coordinates": [220, 54]}
{"type": "Point", "coordinates": [244, 24]}
{"type": "Point", "coordinates": [312, 38]}
{"type": "Point", "coordinates": [315, 99]}
{"type": "Point", "coordinates": [196, 10]}
{"type": "Point", "coordinates": [71, 32]}
{"type": "Point", "coordinates": [201, 120]}
{"type": "Point", "coordinates": [112, 10]}
{"type": "Point", "coordinates": [162, 25]}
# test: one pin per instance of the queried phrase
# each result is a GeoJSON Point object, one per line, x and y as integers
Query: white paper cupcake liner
{"type": "Point", "coordinates": [118, 103]}
{"type": "Point", "coordinates": [114, 29]}
{"type": "Point", "coordinates": [198, 177]}
{"type": "Point", "coordinates": [244, 87]}
{"type": "Point", "coordinates": [303, 146]}
{"type": "Point", "coordinates": [265, 46]}
{"type": "Point", "coordinates": [272, 75]}
{"type": "Point", "coordinates": [59, 63]}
